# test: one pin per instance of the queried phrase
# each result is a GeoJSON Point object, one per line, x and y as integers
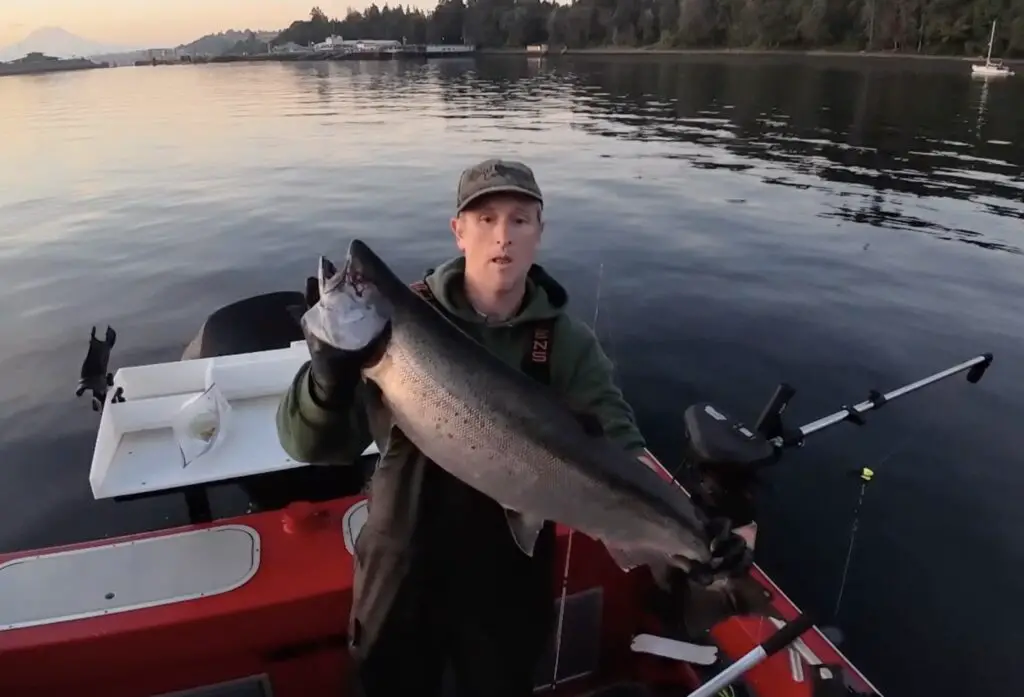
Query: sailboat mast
{"type": "Point", "coordinates": [991, 38]}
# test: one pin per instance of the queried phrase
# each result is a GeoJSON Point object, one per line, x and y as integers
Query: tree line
{"type": "Point", "coordinates": [945, 27]}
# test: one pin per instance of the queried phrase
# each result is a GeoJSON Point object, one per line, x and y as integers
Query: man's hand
{"type": "Point", "coordinates": [731, 550]}
{"type": "Point", "coordinates": [333, 373]}
{"type": "Point", "coordinates": [731, 554]}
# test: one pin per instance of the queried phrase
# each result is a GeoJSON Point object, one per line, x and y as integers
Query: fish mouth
{"type": "Point", "coordinates": [354, 274]}
{"type": "Point", "coordinates": [352, 312]}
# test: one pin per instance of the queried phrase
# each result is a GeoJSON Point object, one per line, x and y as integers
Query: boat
{"type": "Point", "coordinates": [37, 64]}
{"type": "Point", "coordinates": [257, 604]}
{"type": "Point", "coordinates": [991, 68]}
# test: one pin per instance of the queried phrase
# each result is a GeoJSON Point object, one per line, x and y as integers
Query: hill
{"type": "Point", "coordinates": [60, 43]}
{"type": "Point", "coordinates": [220, 43]}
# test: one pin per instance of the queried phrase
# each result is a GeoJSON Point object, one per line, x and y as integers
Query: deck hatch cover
{"type": "Point", "coordinates": [130, 575]}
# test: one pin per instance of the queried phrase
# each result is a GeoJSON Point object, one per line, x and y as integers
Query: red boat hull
{"type": "Point", "coordinates": [287, 622]}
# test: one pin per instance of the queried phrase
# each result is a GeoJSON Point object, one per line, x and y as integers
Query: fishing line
{"type": "Point", "coordinates": [597, 298]}
{"type": "Point", "coordinates": [568, 543]}
{"type": "Point", "coordinates": [866, 475]}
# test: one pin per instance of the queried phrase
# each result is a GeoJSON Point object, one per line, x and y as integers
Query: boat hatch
{"type": "Point", "coordinates": [580, 647]}
{"type": "Point", "coordinates": [122, 576]}
{"type": "Point", "coordinates": [158, 431]}
{"type": "Point", "coordinates": [254, 686]}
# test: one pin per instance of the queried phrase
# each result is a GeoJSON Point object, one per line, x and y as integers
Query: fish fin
{"type": "Point", "coordinates": [625, 558]}
{"type": "Point", "coordinates": [630, 559]}
{"type": "Point", "coordinates": [525, 530]}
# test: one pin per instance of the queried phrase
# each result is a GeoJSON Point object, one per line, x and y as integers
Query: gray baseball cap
{"type": "Point", "coordinates": [494, 176]}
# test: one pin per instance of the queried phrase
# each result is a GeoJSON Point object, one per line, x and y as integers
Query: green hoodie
{"type": "Point", "coordinates": [385, 549]}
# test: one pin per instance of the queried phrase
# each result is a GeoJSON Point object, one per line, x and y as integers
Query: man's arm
{"type": "Point", "coordinates": [592, 389]}
{"type": "Point", "coordinates": [310, 431]}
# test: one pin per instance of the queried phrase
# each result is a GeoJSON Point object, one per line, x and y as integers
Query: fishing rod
{"type": "Point", "coordinates": [769, 423]}
{"type": "Point", "coordinates": [568, 544]}
{"type": "Point", "coordinates": [772, 645]}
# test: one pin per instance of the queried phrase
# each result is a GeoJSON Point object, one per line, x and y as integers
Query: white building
{"type": "Point", "coordinates": [336, 44]}
{"type": "Point", "coordinates": [332, 43]}
{"type": "Point", "coordinates": [376, 44]}
{"type": "Point", "coordinates": [448, 49]}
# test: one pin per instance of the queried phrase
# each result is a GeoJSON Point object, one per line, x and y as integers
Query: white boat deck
{"type": "Point", "coordinates": [122, 576]}
{"type": "Point", "coordinates": [139, 444]}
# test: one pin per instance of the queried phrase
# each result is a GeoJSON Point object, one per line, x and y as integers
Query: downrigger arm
{"type": "Point", "coordinates": [722, 456]}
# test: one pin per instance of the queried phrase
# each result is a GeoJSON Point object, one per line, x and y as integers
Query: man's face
{"type": "Point", "coordinates": [498, 236]}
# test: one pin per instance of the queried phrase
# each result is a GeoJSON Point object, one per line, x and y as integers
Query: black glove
{"type": "Point", "coordinates": [333, 373]}
{"type": "Point", "coordinates": [730, 555]}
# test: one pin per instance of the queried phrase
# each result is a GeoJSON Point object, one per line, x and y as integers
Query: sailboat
{"type": "Point", "coordinates": [991, 68]}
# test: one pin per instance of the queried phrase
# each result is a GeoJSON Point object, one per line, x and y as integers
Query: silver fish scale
{"type": "Point", "coordinates": [523, 452]}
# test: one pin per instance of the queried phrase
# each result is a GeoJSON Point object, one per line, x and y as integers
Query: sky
{"type": "Point", "coordinates": [160, 23]}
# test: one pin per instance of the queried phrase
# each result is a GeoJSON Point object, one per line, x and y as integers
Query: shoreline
{"type": "Point", "coordinates": [739, 52]}
{"type": "Point", "coordinates": [604, 52]}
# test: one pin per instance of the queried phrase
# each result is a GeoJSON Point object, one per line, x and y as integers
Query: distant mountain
{"type": "Point", "coordinates": [218, 44]}
{"type": "Point", "coordinates": [54, 41]}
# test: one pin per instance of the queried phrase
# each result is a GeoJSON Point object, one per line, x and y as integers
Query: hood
{"type": "Point", "coordinates": [545, 297]}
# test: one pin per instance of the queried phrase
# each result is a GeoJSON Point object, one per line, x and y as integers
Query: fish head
{"type": "Point", "coordinates": [353, 309]}
{"type": "Point", "coordinates": [368, 273]}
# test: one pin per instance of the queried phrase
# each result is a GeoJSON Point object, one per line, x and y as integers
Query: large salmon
{"type": "Point", "coordinates": [498, 430]}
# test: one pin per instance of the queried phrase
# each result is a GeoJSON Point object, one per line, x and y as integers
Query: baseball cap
{"type": "Point", "coordinates": [495, 176]}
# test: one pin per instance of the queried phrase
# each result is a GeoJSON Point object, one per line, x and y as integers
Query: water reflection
{"type": "Point", "coordinates": [749, 192]}
{"type": "Point", "coordinates": [880, 144]}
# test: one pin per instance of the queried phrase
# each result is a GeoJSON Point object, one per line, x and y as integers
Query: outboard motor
{"type": "Point", "coordinates": [722, 457]}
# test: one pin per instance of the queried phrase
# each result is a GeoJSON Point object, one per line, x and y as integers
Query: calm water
{"type": "Point", "coordinates": [842, 227]}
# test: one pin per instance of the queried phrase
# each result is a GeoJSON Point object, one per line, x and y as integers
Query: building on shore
{"type": "Point", "coordinates": [438, 50]}
{"type": "Point", "coordinates": [335, 49]}
{"type": "Point", "coordinates": [337, 44]}
{"type": "Point", "coordinates": [165, 54]}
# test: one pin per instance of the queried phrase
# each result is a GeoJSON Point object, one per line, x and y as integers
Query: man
{"type": "Point", "coordinates": [439, 577]}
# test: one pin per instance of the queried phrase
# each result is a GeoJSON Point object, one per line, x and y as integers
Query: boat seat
{"type": "Point", "coordinates": [627, 689]}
